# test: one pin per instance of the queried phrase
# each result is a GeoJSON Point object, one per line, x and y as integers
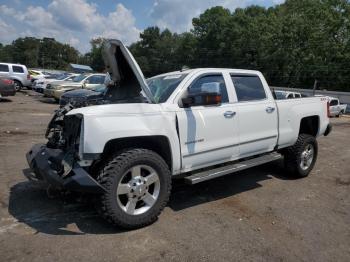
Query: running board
{"type": "Point", "coordinates": [232, 168]}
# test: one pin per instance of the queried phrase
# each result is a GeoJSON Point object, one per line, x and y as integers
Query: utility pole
{"type": "Point", "coordinates": [315, 86]}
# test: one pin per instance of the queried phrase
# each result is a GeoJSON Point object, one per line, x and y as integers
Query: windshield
{"type": "Point", "coordinates": [163, 86]}
{"type": "Point", "coordinates": [61, 77]}
{"type": "Point", "coordinates": [79, 78]}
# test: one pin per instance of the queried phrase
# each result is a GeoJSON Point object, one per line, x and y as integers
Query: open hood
{"type": "Point", "coordinates": [126, 76]}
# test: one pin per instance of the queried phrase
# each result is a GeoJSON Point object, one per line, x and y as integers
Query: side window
{"type": "Point", "coordinates": [248, 87]}
{"type": "Point", "coordinates": [4, 68]}
{"type": "Point", "coordinates": [290, 96]}
{"type": "Point", "coordinates": [297, 95]}
{"type": "Point", "coordinates": [333, 103]}
{"type": "Point", "coordinates": [210, 83]}
{"type": "Point", "coordinates": [17, 69]}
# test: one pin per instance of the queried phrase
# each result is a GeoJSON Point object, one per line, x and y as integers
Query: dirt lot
{"type": "Point", "coordinates": [256, 215]}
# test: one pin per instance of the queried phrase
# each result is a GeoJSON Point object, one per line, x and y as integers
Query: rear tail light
{"type": "Point", "coordinates": [28, 76]}
{"type": "Point", "coordinates": [328, 112]}
{"type": "Point", "coordinates": [7, 81]}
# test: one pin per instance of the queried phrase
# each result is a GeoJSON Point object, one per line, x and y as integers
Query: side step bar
{"type": "Point", "coordinates": [228, 169]}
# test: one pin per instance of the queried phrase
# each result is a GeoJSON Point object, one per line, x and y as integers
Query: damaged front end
{"type": "Point", "coordinates": [57, 162]}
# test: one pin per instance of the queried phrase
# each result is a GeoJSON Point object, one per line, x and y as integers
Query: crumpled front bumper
{"type": "Point", "coordinates": [47, 164]}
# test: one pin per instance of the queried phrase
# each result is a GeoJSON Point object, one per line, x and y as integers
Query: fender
{"type": "Point", "coordinates": [104, 123]}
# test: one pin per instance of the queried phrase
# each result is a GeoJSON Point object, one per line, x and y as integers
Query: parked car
{"type": "Point", "coordinates": [287, 95]}
{"type": "Point", "coordinates": [7, 87]}
{"type": "Point", "coordinates": [84, 97]}
{"type": "Point", "coordinates": [40, 84]}
{"type": "Point", "coordinates": [88, 81]}
{"type": "Point", "coordinates": [18, 73]}
{"type": "Point", "coordinates": [199, 124]}
{"type": "Point", "coordinates": [336, 109]}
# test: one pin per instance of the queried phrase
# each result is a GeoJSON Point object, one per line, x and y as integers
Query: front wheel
{"type": "Point", "coordinates": [300, 158]}
{"type": "Point", "coordinates": [138, 184]}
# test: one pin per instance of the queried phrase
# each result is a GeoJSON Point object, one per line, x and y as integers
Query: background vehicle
{"type": "Point", "coordinates": [18, 73]}
{"type": "Point", "coordinates": [83, 97]}
{"type": "Point", "coordinates": [199, 123]}
{"type": "Point", "coordinates": [336, 109]}
{"type": "Point", "coordinates": [40, 84]}
{"type": "Point", "coordinates": [57, 88]}
{"type": "Point", "coordinates": [7, 87]}
{"type": "Point", "coordinates": [287, 95]}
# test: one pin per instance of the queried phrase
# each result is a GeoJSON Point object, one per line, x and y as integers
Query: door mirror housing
{"type": "Point", "coordinates": [207, 94]}
{"type": "Point", "coordinates": [202, 99]}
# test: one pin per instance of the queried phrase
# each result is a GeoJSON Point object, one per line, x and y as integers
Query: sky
{"type": "Point", "coordinates": [77, 21]}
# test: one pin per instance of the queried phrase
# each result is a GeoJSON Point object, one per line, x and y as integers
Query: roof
{"type": "Point", "coordinates": [82, 67]}
{"type": "Point", "coordinates": [204, 70]}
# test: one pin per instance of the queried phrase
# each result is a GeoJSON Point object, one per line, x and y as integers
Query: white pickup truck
{"type": "Point", "coordinates": [335, 108]}
{"type": "Point", "coordinates": [196, 124]}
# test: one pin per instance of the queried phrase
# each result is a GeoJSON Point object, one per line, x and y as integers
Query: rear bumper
{"type": "Point", "coordinates": [47, 165]}
{"type": "Point", "coordinates": [328, 130]}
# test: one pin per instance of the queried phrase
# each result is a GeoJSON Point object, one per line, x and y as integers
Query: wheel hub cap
{"type": "Point", "coordinates": [307, 157]}
{"type": "Point", "coordinates": [138, 190]}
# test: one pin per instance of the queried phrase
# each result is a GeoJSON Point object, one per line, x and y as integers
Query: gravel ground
{"type": "Point", "coordinates": [256, 215]}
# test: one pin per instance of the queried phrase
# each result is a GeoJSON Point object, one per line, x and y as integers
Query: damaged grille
{"type": "Point", "coordinates": [71, 131]}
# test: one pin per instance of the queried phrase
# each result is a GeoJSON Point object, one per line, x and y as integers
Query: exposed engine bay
{"type": "Point", "coordinates": [125, 84]}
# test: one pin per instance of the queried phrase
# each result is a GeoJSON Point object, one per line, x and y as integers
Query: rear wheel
{"type": "Point", "coordinates": [138, 184]}
{"type": "Point", "coordinates": [300, 158]}
{"type": "Point", "coordinates": [18, 85]}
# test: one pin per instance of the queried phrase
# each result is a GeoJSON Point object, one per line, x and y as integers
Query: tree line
{"type": "Point", "coordinates": [293, 44]}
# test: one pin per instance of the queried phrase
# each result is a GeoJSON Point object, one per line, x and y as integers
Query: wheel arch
{"type": "Point", "coordinates": [310, 125]}
{"type": "Point", "coordinates": [159, 144]}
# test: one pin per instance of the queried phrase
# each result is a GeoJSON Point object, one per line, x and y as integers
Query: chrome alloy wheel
{"type": "Point", "coordinates": [138, 190]}
{"type": "Point", "coordinates": [307, 156]}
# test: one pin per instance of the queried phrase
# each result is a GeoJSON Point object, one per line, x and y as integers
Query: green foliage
{"type": "Point", "coordinates": [292, 44]}
{"type": "Point", "coordinates": [43, 53]}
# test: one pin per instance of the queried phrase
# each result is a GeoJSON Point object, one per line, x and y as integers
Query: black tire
{"type": "Point", "coordinates": [111, 174]}
{"type": "Point", "coordinates": [18, 85]}
{"type": "Point", "coordinates": [293, 156]}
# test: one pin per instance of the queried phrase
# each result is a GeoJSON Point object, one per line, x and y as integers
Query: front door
{"type": "Point", "coordinates": [208, 134]}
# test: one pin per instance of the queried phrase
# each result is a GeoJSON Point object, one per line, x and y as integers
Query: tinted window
{"type": "Point", "coordinates": [4, 68]}
{"type": "Point", "coordinates": [333, 103]}
{"type": "Point", "coordinates": [248, 87]}
{"type": "Point", "coordinates": [290, 96]}
{"type": "Point", "coordinates": [211, 83]}
{"type": "Point", "coordinates": [297, 95]}
{"type": "Point", "coordinates": [96, 79]}
{"type": "Point", "coordinates": [17, 69]}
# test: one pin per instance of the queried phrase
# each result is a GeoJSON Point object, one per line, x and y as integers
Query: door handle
{"type": "Point", "coordinates": [229, 114]}
{"type": "Point", "coordinates": [270, 109]}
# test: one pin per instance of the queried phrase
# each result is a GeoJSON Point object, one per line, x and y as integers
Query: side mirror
{"type": "Point", "coordinates": [206, 94]}
{"type": "Point", "coordinates": [87, 81]}
{"type": "Point", "coordinates": [202, 99]}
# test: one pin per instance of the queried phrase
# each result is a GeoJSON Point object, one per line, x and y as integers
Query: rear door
{"type": "Point", "coordinates": [208, 134]}
{"type": "Point", "coordinates": [257, 115]}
